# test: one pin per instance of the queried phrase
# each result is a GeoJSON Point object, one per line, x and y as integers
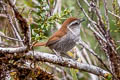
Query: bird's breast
{"type": "Point", "coordinates": [67, 42]}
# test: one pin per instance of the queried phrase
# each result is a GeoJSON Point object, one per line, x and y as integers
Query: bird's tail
{"type": "Point", "coordinates": [40, 44]}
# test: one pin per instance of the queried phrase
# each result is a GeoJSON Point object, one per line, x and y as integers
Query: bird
{"type": "Point", "coordinates": [65, 38]}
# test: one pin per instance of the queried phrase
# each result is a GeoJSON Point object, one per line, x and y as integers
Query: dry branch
{"type": "Point", "coordinates": [106, 42]}
{"type": "Point", "coordinates": [12, 50]}
{"type": "Point", "coordinates": [23, 24]}
{"type": "Point", "coordinates": [4, 6]}
{"type": "Point", "coordinates": [10, 38]}
{"type": "Point", "coordinates": [45, 57]}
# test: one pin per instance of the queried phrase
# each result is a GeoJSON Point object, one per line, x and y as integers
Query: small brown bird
{"type": "Point", "coordinates": [66, 37]}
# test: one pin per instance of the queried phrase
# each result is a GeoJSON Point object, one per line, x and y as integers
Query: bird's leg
{"type": "Point", "coordinates": [58, 54]}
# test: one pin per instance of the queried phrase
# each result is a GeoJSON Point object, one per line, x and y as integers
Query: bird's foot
{"type": "Point", "coordinates": [58, 55]}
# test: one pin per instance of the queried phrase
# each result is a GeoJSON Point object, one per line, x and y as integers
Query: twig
{"type": "Point", "coordinates": [36, 2]}
{"type": "Point", "coordinates": [10, 38]}
{"type": "Point", "coordinates": [113, 14]}
{"type": "Point", "coordinates": [57, 7]}
{"type": "Point", "coordinates": [3, 43]}
{"type": "Point", "coordinates": [12, 50]}
{"type": "Point", "coordinates": [90, 26]}
{"type": "Point", "coordinates": [23, 24]}
{"type": "Point", "coordinates": [109, 45]}
{"type": "Point", "coordinates": [86, 60]}
{"type": "Point", "coordinates": [11, 22]}
{"type": "Point", "coordinates": [3, 15]}
{"type": "Point", "coordinates": [93, 53]}
{"type": "Point", "coordinates": [93, 23]}
{"type": "Point", "coordinates": [106, 15]}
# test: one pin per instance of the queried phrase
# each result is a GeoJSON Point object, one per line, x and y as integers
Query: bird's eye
{"type": "Point", "coordinates": [75, 23]}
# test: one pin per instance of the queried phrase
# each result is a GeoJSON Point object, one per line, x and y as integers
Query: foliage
{"type": "Point", "coordinates": [44, 19]}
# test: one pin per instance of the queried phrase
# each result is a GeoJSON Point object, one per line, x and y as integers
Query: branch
{"type": "Point", "coordinates": [67, 63]}
{"type": "Point", "coordinates": [10, 38]}
{"type": "Point", "coordinates": [106, 15]}
{"type": "Point", "coordinates": [108, 44]}
{"type": "Point", "coordinates": [12, 50]}
{"type": "Point", "coordinates": [23, 24]}
{"type": "Point", "coordinates": [94, 28]}
{"type": "Point", "coordinates": [11, 22]}
{"type": "Point", "coordinates": [114, 14]}
{"type": "Point", "coordinates": [3, 15]}
{"type": "Point", "coordinates": [83, 44]}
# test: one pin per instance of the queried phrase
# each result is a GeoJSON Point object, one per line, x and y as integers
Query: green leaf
{"type": "Point", "coordinates": [73, 73]}
{"type": "Point", "coordinates": [108, 76]}
{"type": "Point", "coordinates": [28, 3]}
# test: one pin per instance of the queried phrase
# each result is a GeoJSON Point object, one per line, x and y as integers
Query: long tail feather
{"type": "Point", "coordinates": [40, 44]}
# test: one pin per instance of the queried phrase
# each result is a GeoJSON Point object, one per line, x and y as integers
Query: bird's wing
{"type": "Point", "coordinates": [55, 38]}
{"type": "Point", "coordinates": [52, 41]}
